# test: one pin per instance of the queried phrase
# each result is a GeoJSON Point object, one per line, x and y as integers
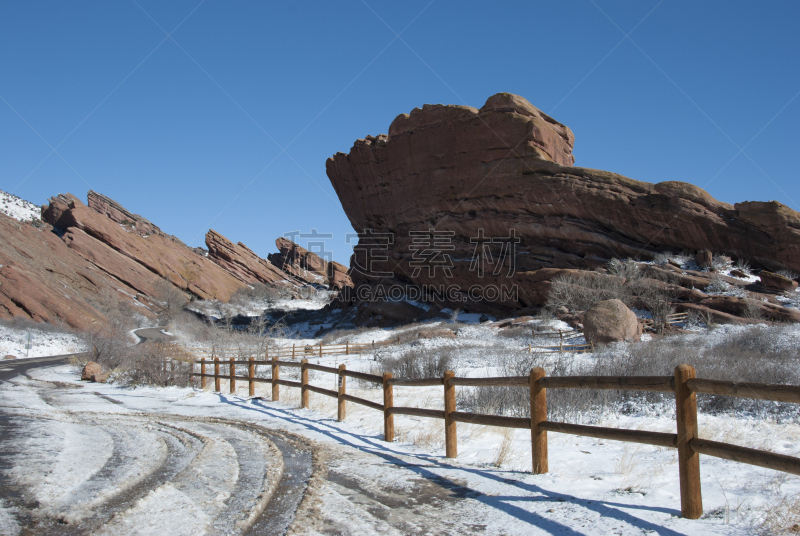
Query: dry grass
{"type": "Point", "coordinates": [505, 449]}
{"type": "Point", "coordinates": [781, 517]}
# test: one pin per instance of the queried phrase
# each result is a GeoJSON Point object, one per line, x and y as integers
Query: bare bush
{"type": "Point", "coordinates": [421, 362]}
{"type": "Point", "coordinates": [171, 299]}
{"type": "Point", "coordinates": [788, 274]}
{"type": "Point", "coordinates": [626, 282]}
{"type": "Point", "coordinates": [516, 332]}
{"type": "Point", "coordinates": [743, 265]}
{"type": "Point", "coordinates": [259, 294]}
{"type": "Point", "coordinates": [756, 354]}
{"type": "Point", "coordinates": [580, 291]}
{"type": "Point", "coordinates": [345, 334]}
{"type": "Point", "coordinates": [720, 263]}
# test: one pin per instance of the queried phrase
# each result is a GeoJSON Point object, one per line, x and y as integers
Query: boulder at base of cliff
{"type": "Point", "coordinates": [703, 258]}
{"type": "Point", "coordinates": [769, 279]}
{"type": "Point", "coordinates": [610, 321]}
{"type": "Point", "coordinates": [90, 370]}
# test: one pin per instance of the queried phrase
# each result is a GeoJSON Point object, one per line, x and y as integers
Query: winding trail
{"type": "Point", "coordinates": [73, 461]}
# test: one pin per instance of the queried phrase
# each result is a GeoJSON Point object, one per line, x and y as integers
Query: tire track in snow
{"type": "Point", "coordinates": [154, 473]}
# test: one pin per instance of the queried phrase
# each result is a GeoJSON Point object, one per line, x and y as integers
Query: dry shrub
{"type": "Point", "coordinates": [345, 334]}
{"type": "Point", "coordinates": [516, 332]}
{"type": "Point", "coordinates": [259, 294]}
{"type": "Point", "coordinates": [420, 362]}
{"type": "Point", "coordinates": [505, 449]}
{"type": "Point", "coordinates": [781, 518]}
{"type": "Point", "coordinates": [171, 299]}
{"type": "Point", "coordinates": [624, 281]}
{"type": "Point", "coordinates": [756, 354]}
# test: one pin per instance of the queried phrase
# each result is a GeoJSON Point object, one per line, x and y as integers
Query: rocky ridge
{"type": "Point", "coordinates": [83, 260]}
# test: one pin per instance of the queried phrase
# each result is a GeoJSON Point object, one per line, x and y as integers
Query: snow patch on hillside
{"type": "Point", "coordinates": [17, 208]}
{"type": "Point", "coordinates": [43, 342]}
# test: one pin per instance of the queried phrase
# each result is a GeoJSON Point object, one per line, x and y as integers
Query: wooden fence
{"type": "Point", "coordinates": [683, 383]}
{"type": "Point", "coordinates": [565, 343]}
{"type": "Point", "coordinates": [286, 352]}
{"type": "Point", "coordinates": [670, 320]}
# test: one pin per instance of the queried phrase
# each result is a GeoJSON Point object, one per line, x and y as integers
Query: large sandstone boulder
{"type": "Point", "coordinates": [610, 321]}
{"type": "Point", "coordinates": [772, 280]}
{"type": "Point", "coordinates": [704, 258]}
{"type": "Point", "coordinates": [506, 168]}
{"type": "Point", "coordinates": [90, 370]}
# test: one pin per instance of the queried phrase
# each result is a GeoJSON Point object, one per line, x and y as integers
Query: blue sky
{"type": "Point", "coordinates": [221, 115]}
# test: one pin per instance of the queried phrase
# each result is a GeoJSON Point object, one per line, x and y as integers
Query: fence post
{"type": "Point", "coordinates": [688, 459]}
{"type": "Point", "coordinates": [388, 402]}
{"type": "Point", "coordinates": [293, 350]}
{"type": "Point", "coordinates": [275, 377]}
{"type": "Point", "coordinates": [450, 439]}
{"type": "Point", "coordinates": [342, 408]}
{"type": "Point", "coordinates": [251, 373]}
{"type": "Point", "coordinates": [538, 416]}
{"type": "Point", "coordinates": [232, 374]}
{"type": "Point", "coordinates": [304, 384]}
{"type": "Point", "coordinates": [216, 376]}
{"type": "Point", "coordinates": [320, 349]}
{"type": "Point", "coordinates": [202, 373]}
{"type": "Point", "coordinates": [347, 348]}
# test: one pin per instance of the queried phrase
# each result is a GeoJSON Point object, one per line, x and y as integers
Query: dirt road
{"type": "Point", "coordinates": [73, 461]}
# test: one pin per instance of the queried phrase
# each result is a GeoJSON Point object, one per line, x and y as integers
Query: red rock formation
{"type": "Point", "coordinates": [42, 279]}
{"type": "Point", "coordinates": [95, 236]}
{"type": "Point", "coordinates": [240, 261]}
{"type": "Point", "coordinates": [116, 212]}
{"type": "Point", "coordinates": [504, 167]}
{"type": "Point", "coordinates": [309, 267]}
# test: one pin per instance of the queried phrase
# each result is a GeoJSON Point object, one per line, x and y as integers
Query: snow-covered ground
{"type": "Point", "coordinates": [42, 342]}
{"type": "Point", "coordinates": [17, 208]}
{"type": "Point", "coordinates": [593, 487]}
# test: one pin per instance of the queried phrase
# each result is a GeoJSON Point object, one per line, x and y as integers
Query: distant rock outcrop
{"type": "Point", "coordinates": [475, 197]}
{"type": "Point", "coordinates": [309, 267]}
{"type": "Point", "coordinates": [81, 259]}
{"type": "Point", "coordinates": [240, 261]}
{"type": "Point", "coordinates": [117, 213]}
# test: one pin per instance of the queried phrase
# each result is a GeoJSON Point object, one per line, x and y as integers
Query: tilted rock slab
{"type": "Point", "coordinates": [508, 166]}
{"type": "Point", "coordinates": [97, 237]}
{"type": "Point", "coordinates": [242, 262]}
{"type": "Point", "coordinates": [309, 267]}
{"type": "Point", "coordinates": [44, 280]}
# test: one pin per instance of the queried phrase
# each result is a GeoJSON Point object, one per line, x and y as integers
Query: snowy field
{"type": "Point", "coordinates": [14, 341]}
{"type": "Point", "coordinates": [17, 208]}
{"type": "Point", "coordinates": [408, 487]}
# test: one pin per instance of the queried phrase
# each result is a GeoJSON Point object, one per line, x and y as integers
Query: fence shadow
{"type": "Point", "coordinates": [373, 444]}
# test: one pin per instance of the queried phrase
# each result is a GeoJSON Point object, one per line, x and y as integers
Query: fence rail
{"type": "Point", "coordinates": [293, 352]}
{"type": "Point", "coordinates": [683, 384]}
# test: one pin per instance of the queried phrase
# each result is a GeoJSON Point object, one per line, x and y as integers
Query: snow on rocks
{"type": "Point", "coordinates": [18, 208]}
